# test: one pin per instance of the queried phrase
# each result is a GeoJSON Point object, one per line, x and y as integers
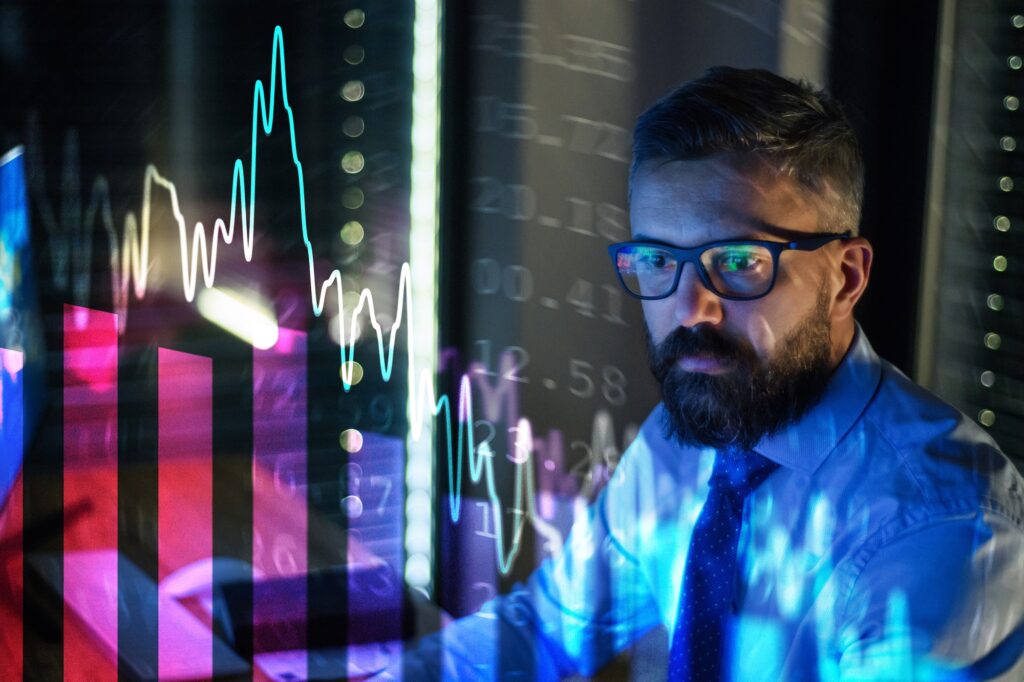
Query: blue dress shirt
{"type": "Point", "coordinates": [888, 545]}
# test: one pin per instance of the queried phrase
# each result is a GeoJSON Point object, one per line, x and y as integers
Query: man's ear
{"type": "Point", "coordinates": [854, 271]}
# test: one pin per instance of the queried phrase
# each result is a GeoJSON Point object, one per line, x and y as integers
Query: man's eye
{"type": "Point", "coordinates": [655, 261]}
{"type": "Point", "coordinates": [734, 263]}
{"type": "Point", "coordinates": [737, 262]}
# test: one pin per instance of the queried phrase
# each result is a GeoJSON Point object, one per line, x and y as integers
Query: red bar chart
{"type": "Point", "coordinates": [89, 572]}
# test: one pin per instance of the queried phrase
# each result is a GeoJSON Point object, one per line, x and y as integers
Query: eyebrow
{"type": "Point", "coordinates": [757, 225]}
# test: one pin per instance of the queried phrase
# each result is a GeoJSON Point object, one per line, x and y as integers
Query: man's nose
{"type": "Point", "coordinates": [695, 303]}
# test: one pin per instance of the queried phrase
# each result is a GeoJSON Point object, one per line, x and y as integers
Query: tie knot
{"type": "Point", "coordinates": [740, 472]}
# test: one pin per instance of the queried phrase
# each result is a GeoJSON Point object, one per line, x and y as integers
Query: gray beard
{"type": "Point", "coordinates": [754, 398]}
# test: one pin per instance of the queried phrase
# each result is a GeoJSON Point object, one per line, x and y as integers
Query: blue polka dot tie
{"type": "Point", "coordinates": [697, 645]}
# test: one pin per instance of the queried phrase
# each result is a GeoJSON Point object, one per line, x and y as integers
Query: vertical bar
{"type": "Point", "coordinates": [938, 174]}
{"type": "Point", "coordinates": [90, 480]}
{"type": "Point", "coordinates": [424, 222]}
{"type": "Point", "coordinates": [12, 419]}
{"type": "Point", "coordinates": [184, 504]}
{"type": "Point", "coordinates": [279, 512]}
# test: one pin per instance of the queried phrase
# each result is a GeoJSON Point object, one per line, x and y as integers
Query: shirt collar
{"type": "Point", "coordinates": [804, 445]}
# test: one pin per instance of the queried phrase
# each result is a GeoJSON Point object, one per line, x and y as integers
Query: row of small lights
{"type": "Point", "coordinates": [352, 162]}
{"type": "Point", "coordinates": [423, 261]}
{"type": "Point", "coordinates": [1001, 223]}
{"type": "Point", "coordinates": [352, 232]}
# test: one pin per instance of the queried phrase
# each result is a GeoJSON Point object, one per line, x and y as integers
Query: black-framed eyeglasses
{"type": "Point", "coordinates": [737, 270]}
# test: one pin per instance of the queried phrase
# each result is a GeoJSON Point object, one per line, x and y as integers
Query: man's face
{"type": "Point", "coordinates": [733, 371]}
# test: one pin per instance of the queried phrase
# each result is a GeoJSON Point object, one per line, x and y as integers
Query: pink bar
{"type": "Point", "coordinates": [279, 468]}
{"type": "Point", "coordinates": [12, 415]}
{"type": "Point", "coordinates": [184, 505]}
{"type": "Point", "coordinates": [90, 479]}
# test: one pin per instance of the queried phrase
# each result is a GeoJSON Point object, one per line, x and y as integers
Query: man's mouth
{"type": "Point", "coordinates": [705, 363]}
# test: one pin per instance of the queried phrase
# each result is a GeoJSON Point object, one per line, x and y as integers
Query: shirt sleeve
{"type": "Point", "coordinates": [944, 601]}
{"type": "Point", "coordinates": [573, 614]}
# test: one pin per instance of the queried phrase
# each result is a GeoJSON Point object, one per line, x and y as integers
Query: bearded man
{"type": "Point", "coordinates": [795, 508]}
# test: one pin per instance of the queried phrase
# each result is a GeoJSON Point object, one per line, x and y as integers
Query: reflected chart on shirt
{"type": "Point", "coordinates": [308, 337]}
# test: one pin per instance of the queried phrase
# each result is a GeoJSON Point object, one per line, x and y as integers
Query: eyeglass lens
{"type": "Point", "coordinates": [740, 270]}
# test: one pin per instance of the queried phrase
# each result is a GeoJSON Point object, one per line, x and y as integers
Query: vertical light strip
{"type": "Point", "coordinates": [423, 256]}
{"type": "Point", "coordinates": [931, 249]}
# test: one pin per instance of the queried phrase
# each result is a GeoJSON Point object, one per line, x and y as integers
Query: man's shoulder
{"type": "Point", "coordinates": [918, 423]}
{"type": "Point", "coordinates": [911, 416]}
{"type": "Point", "coordinates": [927, 452]}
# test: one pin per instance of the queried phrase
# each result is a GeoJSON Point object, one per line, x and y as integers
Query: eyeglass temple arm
{"type": "Point", "coordinates": [813, 243]}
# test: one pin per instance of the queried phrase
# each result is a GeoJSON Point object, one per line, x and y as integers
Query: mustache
{"type": "Point", "coordinates": [702, 340]}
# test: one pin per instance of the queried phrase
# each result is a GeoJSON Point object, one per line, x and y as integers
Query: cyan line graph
{"type": "Point", "coordinates": [130, 266]}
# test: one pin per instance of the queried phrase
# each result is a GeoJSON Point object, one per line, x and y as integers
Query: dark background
{"type": "Point", "coordinates": [537, 102]}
